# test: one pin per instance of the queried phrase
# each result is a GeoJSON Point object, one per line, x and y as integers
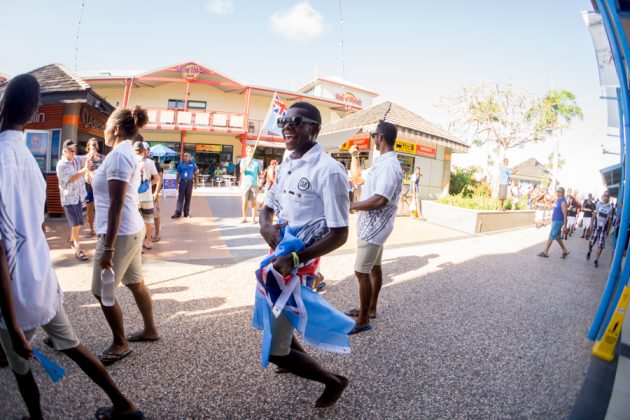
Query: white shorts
{"type": "Point", "coordinates": [586, 222]}
{"type": "Point", "coordinates": [540, 215]}
{"type": "Point", "coordinates": [571, 221]}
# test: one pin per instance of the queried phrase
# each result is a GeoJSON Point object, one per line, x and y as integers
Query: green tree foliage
{"type": "Point", "coordinates": [556, 110]}
{"type": "Point", "coordinates": [463, 181]}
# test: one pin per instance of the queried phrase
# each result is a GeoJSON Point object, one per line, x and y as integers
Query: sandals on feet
{"type": "Point", "coordinates": [155, 239]}
{"type": "Point", "coordinates": [81, 255]}
{"type": "Point", "coordinates": [542, 254]}
{"type": "Point", "coordinates": [108, 358]}
{"type": "Point", "coordinates": [107, 413]}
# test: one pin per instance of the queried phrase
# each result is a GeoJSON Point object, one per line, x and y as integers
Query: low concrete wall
{"type": "Point", "coordinates": [475, 221]}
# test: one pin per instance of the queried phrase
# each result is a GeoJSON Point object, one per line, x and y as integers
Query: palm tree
{"type": "Point", "coordinates": [556, 111]}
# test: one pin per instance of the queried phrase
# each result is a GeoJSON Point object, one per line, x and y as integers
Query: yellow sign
{"type": "Point", "coordinates": [414, 149]}
{"type": "Point", "coordinates": [209, 148]}
{"type": "Point", "coordinates": [605, 348]}
{"type": "Point", "coordinates": [404, 147]}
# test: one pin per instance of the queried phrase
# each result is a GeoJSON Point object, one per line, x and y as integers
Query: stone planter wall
{"type": "Point", "coordinates": [475, 221]}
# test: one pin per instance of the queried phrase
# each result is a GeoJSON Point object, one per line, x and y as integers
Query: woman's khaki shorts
{"type": "Point", "coordinates": [61, 335]}
{"type": "Point", "coordinates": [127, 261]}
{"type": "Point", "coordinates": [368, 255]}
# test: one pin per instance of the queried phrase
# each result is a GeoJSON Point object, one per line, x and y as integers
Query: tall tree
{"type": "Point", "coordinates": [556, 111]}
{"type": "Point", "coordinates": [494, 116]}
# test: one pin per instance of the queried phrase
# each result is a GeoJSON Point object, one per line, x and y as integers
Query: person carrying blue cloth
{"type": "Point", "coordinates": [310, 198]}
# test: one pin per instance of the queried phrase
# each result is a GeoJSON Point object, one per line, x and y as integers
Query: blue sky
{"type": "Point", "coordinates": [411, 52]}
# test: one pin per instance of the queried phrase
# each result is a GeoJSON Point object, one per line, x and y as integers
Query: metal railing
{"type": "Point", "coordinates": [196, 120]}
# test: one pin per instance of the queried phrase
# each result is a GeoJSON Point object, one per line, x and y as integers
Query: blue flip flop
{"type": "Point", "coordinates": [108, 358]}
{"type": "Point", "coordinates": [364, 328]}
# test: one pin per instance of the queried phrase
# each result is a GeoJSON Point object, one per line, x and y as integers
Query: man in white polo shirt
{"type": "Point", "coordinates": [30, 296]}
{"type": "Point", "coordinates": [310, 195]}
{"type": "Point", "coordinates": [377, 211]}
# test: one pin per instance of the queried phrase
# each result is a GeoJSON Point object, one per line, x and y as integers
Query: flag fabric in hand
{"type": "Point", "coordinates": [278, 109]}
{"type": "Point", "coordinates": [320, 324]}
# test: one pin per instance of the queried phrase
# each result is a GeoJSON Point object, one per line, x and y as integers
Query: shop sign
{"type": "Point", "coordinates": [362, 141]}
{"type": "Point", "coordinates": [349, 97]}
{"type": "Point", "coordinates": [191, 71]}
{"type": "Point", "coordinates": [404, 147]}
{"type": "Point", "coordinates": [208, 148]}
{"type": "Point", "coordinates": [46, 117]}
{"type": "Point", "coordinates": [91, 122]}
{"type": "Point", "coordinates": [428, 151]}
{"type": "Point", "coordinates": [414, 149]}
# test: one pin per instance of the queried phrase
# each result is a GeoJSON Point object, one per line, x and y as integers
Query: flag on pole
{"type": "Point", "coordinates": [278, 109]}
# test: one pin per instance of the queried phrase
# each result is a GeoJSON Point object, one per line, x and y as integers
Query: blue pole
{"type": "Point", "coordinates": [616, 35]}
{"type": "Point", "coordinates": [622, 150]}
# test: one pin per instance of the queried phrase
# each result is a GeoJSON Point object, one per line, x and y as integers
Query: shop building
{"type": "Point", "coordinates": [195, 109]}
{"type": "Point", "coordinates": [420, 143]}
{"type": "Point", "coordinates": [69, 109]}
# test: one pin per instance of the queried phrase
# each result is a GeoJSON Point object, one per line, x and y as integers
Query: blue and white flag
{"type": "Point", "coordinates": [320, 324]}
{"type": "Point", "coordinates": [278, 109]}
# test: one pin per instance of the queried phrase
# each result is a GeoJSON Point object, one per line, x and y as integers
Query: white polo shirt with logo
{"type": "Point", "coordinates": [311, 194]}
{"type": "Point", "coordinates": [385, 179]}
{"type": "Point", "coordinates": [35, 290]}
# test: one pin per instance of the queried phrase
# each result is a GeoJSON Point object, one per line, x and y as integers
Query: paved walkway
{"type": "Point", "coordinates": [469, 326]}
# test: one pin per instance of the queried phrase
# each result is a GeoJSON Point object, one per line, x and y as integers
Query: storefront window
{"type": "Point", "coordinates": [406, 164]}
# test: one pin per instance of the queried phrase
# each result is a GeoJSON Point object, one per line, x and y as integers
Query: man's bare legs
{"type": "Point", "coordinates": [147, 237]}
{"type": "Point", "coordinates": [244, 209]}
{"type": "Point", "coordinates": [301, 364]}
{"type": "Point", "coordinates": [253, 203]}
{"type": "Point", "coordinates": [89, 218]}
{"type": "Point", "coordinates": [92, 367]}
{"type": "Point", "coordinates": [565, 252]}
{"type": "Point", "coordinates": [377, 282]}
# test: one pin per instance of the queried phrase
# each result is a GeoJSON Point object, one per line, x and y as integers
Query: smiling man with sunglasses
{"type": "Point", "coordinates": [381, 189]}
{"type": "Point", "coordinates": [310, 197]}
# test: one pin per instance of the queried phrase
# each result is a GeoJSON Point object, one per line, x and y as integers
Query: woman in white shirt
{"type": "Point", "coordinates": [120, 230]}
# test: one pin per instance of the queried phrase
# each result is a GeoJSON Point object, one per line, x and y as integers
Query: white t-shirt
{"type": "Point", "coordinates": [603, 212]}
{"type": "Point", "coordinates": [311, 194]}
{"type": "Point", "coordinates": [35, 290]}
{"type": "Point", "coordinates": [120, 164]}
{"type": "Point", "coordinates": [385, 179]}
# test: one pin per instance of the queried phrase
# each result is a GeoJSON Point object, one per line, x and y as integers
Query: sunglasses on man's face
{"type": "Point", "coordinates": [294, 122]}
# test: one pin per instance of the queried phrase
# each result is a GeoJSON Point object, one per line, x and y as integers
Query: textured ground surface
{"type": "Point", "coordinates": [469, 327]}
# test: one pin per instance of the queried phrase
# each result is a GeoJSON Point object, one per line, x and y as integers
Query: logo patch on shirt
{"type": "Point", "coordinates": [303, 184]}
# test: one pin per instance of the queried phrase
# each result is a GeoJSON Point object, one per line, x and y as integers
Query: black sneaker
{"type": "Point", "coordinates": [595, 264]}
{"type": "Point", "coordinates": [188, 216]}
{"type": "Point", "coordinates": [588, 255]}
{"type": "Point", "coordinates": [176, 216]}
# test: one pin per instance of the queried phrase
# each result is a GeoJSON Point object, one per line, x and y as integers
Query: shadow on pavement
{"type": "Point", "coordinates": [498, 336]}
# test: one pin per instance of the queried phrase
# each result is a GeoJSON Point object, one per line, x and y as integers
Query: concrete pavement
{"type": "Point", "coordinates": [468, 327]}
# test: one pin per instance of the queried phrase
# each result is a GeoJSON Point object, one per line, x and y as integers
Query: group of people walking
{"type": "Point", "coordinates": [596, 218]}
{"type": "Point", "coordinates": [307, 194]}
{"type": "Point", "coordinates": [30, 295]}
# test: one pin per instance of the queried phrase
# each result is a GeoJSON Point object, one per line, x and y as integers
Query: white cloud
{"type": "Point", "coordinates": [220, 7]}
{"type": "Point", "coordinates": [301, 22]}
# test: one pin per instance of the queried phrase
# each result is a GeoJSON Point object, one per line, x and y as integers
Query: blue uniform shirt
{"type": "Point", "coordinates": [186, 170]}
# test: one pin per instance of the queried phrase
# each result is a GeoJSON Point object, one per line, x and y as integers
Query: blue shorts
{"type": "Point", "coordinates": [74, 214]}
{"type": "Point", "coordinates": [556, 230]}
